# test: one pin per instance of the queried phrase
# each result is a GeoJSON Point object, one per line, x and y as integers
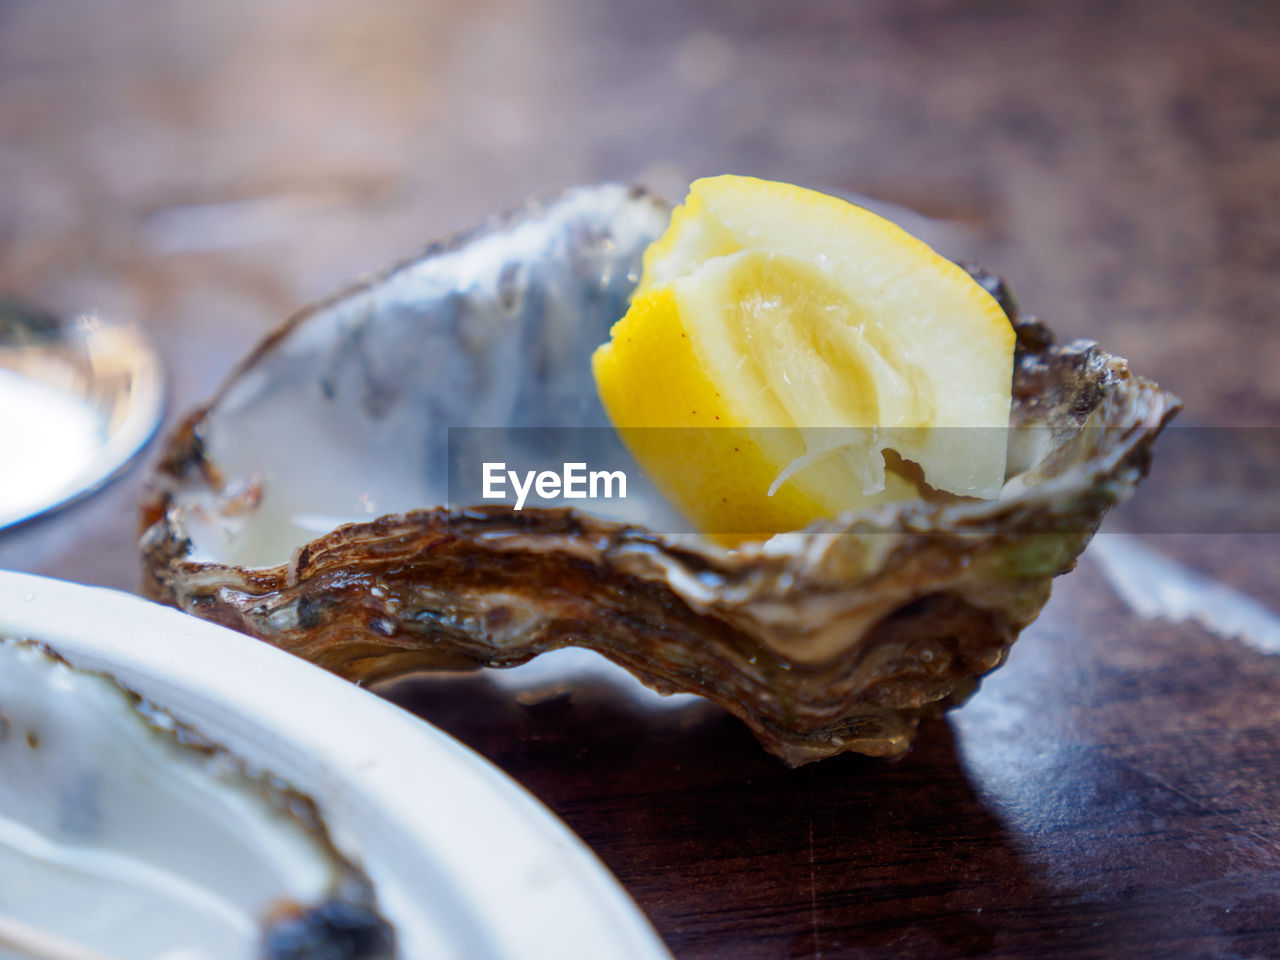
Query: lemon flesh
{"type": "Point", "coordinates": [780, 340]}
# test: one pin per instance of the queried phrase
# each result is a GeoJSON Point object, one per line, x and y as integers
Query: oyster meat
{"type": "Point", "coordinates": [308, 504]}
{"type": "Point", "coordinates": [125, 832]}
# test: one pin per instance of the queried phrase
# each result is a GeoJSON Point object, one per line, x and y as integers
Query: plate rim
{"type": "Point", "coordinates": [345, 747]}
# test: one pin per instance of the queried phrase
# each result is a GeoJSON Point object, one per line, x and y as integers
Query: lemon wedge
{"type": "Point", "coordinates": [781, 340]}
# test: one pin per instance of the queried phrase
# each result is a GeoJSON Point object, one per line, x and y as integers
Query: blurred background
{"type": "Point", "coordinates": [207, 168]}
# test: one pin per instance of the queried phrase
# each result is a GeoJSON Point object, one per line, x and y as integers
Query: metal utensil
{"type": "Point", "coordinates": [78, 399]}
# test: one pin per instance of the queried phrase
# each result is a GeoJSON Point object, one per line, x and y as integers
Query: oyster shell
{"type": "Point", "coordinates": [111, 811]}
{"type": "Point", "coordinates": [841, 636]}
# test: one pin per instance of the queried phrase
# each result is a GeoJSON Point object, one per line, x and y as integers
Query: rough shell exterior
{"type": "Point", "coordinates": [839, 637]}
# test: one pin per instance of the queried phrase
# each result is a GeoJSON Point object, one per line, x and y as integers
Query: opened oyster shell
{"type": "Point", "coordinates": [307, 504]}
{"type": "Point", "coordinates": [124, 831]}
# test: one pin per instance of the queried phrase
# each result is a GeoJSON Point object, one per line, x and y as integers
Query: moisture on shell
{"type": "Point", "coordinates": [307, 505]}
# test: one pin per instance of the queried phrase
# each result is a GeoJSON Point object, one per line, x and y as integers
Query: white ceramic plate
{"type": "Point", "coordinates": [465, 862]}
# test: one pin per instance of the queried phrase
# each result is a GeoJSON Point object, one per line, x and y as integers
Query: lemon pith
{"type": "Point", "coordinates": [792, 338]}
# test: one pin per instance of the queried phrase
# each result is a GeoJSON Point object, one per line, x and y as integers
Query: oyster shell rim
{"type": "Point", "coordinates": [348, 888]}
{"type": "Point", "coordinates": [1128, 411]}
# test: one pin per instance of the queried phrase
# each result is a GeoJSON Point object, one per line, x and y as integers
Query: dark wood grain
{"type": "Point", "coordinates": [1114, 791]}
{"type": "Point", "coordinates": [1111, 792]}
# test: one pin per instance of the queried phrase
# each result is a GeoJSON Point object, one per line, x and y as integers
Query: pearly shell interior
{"type": "Point", "coordinates": [307, 504]}
{"type": "Point", "coordinates": [125, 832]}
{"type": "Point", "coordinates": [345, 415]}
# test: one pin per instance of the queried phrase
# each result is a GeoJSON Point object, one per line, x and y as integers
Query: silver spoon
{"type": "Point", "coordinates": [78, 400]}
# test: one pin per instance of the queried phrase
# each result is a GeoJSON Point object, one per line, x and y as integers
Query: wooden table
{"type": "Point", "coordinates": [1114, 791]}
